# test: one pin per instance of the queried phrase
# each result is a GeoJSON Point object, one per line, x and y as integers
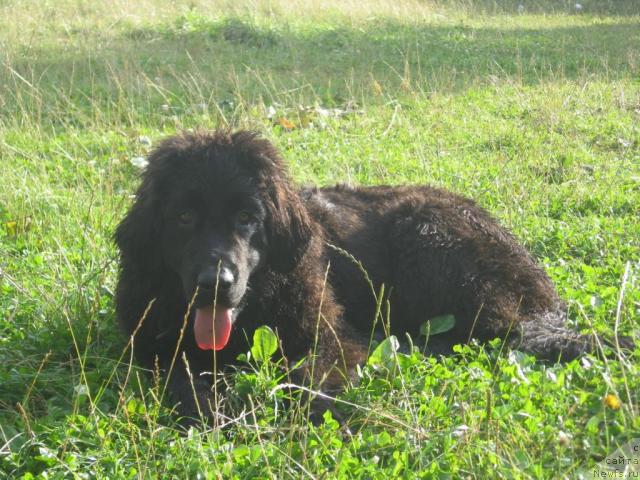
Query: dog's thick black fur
{"type": "Point", "coordinates": [217, 219]}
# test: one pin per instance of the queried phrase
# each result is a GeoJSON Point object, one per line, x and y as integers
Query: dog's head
{"type": "Point", "coordinates": [214, 208]}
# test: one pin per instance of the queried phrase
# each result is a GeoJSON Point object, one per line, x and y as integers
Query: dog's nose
{"type": "Point", "coordinates": [225, 278]}
{"type": "Point", "coordinates": [210, 278]}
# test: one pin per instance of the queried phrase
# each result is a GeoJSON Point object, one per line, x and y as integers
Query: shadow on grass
{"type": "Point", "coordinates": [198, 59]}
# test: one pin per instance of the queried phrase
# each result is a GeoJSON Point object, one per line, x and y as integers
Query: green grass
{"type": "Point", "coordinates": [534, 114]}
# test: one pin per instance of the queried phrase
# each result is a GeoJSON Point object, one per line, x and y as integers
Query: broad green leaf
{"type": "Point", "coordinates": [439, 324]}
{"type": "Point", "coordinates": [265, 344]}
{"type": "Point", "coordinates": [384, 352]}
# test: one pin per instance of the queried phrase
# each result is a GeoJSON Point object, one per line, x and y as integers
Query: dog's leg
{"type": "Point", "coordinates": [549, 341]}
{"type": "Point", "coordinates": [190, 392]}
{"type": "Point", "coordinates": [547, 338]}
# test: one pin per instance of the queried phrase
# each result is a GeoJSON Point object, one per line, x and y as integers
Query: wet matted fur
{"type": "Point", "coordinates": [216, 217]}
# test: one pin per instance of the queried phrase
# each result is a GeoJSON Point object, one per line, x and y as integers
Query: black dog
{"type": "Point", "coordinates": [219, 238]}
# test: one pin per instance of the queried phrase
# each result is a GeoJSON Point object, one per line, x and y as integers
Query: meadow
{"type": "Point", "coordinates": [532, 108]}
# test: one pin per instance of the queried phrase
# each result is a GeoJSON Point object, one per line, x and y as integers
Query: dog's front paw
{"type": "Point", "coordinates": [195, 404]}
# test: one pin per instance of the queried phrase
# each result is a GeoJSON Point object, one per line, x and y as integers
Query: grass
{"type": "Point", "coordinates": [535, 114]}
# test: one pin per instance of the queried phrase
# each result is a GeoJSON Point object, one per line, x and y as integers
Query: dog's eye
{"type": "Point", "coordinates": [187, 218]}
{"type": "Point", "coordinates": [244, 218]}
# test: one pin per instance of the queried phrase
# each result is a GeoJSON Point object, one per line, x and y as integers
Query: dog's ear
{"type": "Point", "coordinates": [138, 233]}
{"type": "Point", "coordinates": [288, 225]}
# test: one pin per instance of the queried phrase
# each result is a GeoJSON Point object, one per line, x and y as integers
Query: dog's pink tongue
{"type": "Point", "coordinates": [212, 328]}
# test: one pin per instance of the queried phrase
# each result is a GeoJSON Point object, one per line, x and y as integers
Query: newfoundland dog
{"type": "Point", "coordinates": [219, 242]}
